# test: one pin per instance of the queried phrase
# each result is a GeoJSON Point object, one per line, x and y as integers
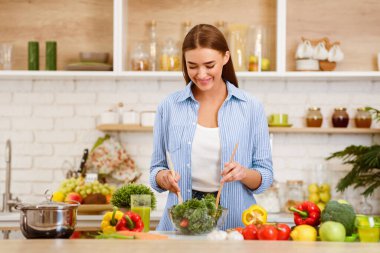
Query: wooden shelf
{"type": "Point", "coordinates": [294, 130]}
{"type": "Point", "coordinates": [123, 128]}
{"type": "Point", "coordinates": [176, 75]}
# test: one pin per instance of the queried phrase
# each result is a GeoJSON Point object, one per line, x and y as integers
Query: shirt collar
{"type": "Point", "coordinates": [231, 89]}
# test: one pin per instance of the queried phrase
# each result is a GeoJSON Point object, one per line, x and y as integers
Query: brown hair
{"type": "Point", "coordinates": [208, 36]}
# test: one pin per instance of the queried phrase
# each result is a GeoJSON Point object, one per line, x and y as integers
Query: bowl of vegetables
{"type": "Point", "coordinates": [194, 216]}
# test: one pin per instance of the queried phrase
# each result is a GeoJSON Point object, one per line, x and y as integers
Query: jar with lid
{"type": "Point", "coordinates": [363, 118]}
{"type": "Point", "coordinates": [270, 199]}
{"type": "Point", "coordinates": [294, 193]}
{"type": "Point", "coordinates": [169, 60]}
{"type": "Point", "coordinates": [139, 58]}
{"type": "Point", "coordinates": [340, 117]}
{"type": "Point", "coordinates": [314, 117]}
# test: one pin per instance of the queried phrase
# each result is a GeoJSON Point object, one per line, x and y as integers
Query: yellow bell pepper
{"type": "Point", "coordinates": [255, 214]}
{"type": "Point", "coordinates": [110, 220]}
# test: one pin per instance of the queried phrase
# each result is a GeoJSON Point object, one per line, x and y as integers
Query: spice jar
{"type": "Point", "coordinates": [294, 193]}
{"type": "Point", "coordinates": [270, 199]}
{"type": "Point", "coordinates": [340, 117]}
{"type": "Point", "coordinates": [314, 117]}
{"type": "Point", "coordinates": [139, 58]}
{"type": "Point", "coordinates": [169, 60]}
{"type": "Point", "coordinates": [363, 118]}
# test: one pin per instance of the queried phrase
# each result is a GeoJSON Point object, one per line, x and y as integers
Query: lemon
{"type": "Point", "coordinates": [321, 206]}
{"type": "Point", "coordinates": [324, 196]}
{"type": "Point", "coordinates": [313, 188]}
{"type": "Point", "coordinates": [58, 196]}
{"type": "Point", "coordinates": [304, 233]}
{"type": "Point", "coordinates": [314, 197]}
{"type": "Point", "coordinates": [324, 188]}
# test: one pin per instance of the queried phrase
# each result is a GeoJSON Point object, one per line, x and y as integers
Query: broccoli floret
{"type": "Point", "coordinates": [340, 212]}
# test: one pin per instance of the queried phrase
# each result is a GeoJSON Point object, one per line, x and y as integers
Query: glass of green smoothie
{"type": "Point", "coordinates": [141, 204]}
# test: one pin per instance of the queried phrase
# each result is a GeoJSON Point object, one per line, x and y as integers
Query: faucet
{"type": "Point", "coordinates": [8, 202]}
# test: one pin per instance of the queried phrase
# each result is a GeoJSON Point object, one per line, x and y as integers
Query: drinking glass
{"type": "Point", "coordinates": [141, 204]}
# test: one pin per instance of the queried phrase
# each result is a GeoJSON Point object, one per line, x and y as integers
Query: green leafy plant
{"type": "Point", "coordinates": [365, 162]}
{"type": "Point", "coordinates": [122, 196]}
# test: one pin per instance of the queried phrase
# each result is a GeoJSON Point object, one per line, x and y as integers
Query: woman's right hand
{"type": "Point", "coordinates": [166, 181]}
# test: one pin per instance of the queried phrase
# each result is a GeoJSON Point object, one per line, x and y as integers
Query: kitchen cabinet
{"type": "Point", "coordinates": [114, 26]}
{"type": "Point", "coordinates": [290, 130]}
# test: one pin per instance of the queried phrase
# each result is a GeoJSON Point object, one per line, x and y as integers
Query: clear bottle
{"type": "Point", "coordinates": [271, 199]}
{"type": "Point", "coordinates": [152, 45]}
{"type": "Point", "coordinates": [314, 117]}
{"type": "Point", "coordinates": [186, 28]}
{"type": "Point", "coordinates": [363, 118]}
{"type": "Point", "coordinates": [139, 58]}
{"type": "Point", "coordinates": [221, 25]}
{"type": "Point", "coordinates": [169, 60]}
{"type": "Point", "coordinates": [294, 193]}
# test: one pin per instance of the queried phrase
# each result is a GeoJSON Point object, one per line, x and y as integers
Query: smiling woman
{"type": "Point", "coordinates": [211, 115]}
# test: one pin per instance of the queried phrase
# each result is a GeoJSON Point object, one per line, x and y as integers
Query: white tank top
{"type": "Point", "coordinates": [205, 159]}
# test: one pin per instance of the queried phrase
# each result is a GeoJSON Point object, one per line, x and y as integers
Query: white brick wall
{"type": "Point", "coordinates": [52, 121]}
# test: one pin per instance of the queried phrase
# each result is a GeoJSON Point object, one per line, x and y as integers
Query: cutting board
{"type": "Point", "coordinates": [94, 209]}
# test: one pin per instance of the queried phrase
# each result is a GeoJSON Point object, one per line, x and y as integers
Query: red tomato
{"type": "Point", "coordinates": [267, 232]}
{"type": "Point", "coordinates": [283, 232]}
{"type": "Point", "coordinates": [239, 229]}
{"type": "Point", "coordinates": [250, 232]}
{"type": "Point", "coordinates": [184, 223]}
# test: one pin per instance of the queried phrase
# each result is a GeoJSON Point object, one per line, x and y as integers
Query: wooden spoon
{"type": "Point", "coordinates": [171, 167]}
{"type": "Point", "coordinates": [221, 185]}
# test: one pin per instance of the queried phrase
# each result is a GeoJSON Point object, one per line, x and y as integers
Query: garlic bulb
{"type": "Point", "coordinates": [335, 54]}
{"type": "Point", "coordinates": [320, 52]}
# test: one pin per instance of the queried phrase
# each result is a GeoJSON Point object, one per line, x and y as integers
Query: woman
{"type": "Point", "coordinates": [199, 127]}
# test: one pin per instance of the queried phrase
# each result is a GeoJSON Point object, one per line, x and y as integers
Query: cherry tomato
{"type": "Point", "coordinates": [283, 232]}
{"type": "Point", "coordinates": [184, 223]}
{"type": "Point", "coordinates": [267, 232]}
{"type": "Point", "coordinates": [250, 232]}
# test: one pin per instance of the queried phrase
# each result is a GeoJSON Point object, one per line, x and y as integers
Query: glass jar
{"type": "Point", "coordinates": [139, 58]}
{"type": "Point", "coordinates": [270, 199]}
{"type": "Point", "coordinates": [237, 40]}
{"type": "Point", "coordinates": [363, 118]}
{"type": "Point", "coordinates": [169, 60]}
{"type": "Point", "coordinates": [294, 193]}
{"type": "Point", "coordinates": [314, 117]}
{"type": "Point", "coordinates": [340, 117]}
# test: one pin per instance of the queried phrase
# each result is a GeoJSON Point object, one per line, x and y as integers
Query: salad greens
{"type": "Point", "coordinates": [196, 216]}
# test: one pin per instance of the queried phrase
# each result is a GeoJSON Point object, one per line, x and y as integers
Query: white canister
{"type": "Point", "coordinates": [147, 118]}
{"type": "Point", "coordinates": [130, 118]}
{"type": "Point", "coordinates": [109, 117]}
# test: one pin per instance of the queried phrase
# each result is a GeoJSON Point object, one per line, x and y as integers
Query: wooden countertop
{"type": "Point", "coordinates": [182, 246]}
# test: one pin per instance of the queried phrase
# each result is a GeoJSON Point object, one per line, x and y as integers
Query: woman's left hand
{"type": "Point", "coordinates": [233, 172]}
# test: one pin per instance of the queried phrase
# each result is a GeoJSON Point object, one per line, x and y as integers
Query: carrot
{"type": "Point", "coordinates": [143, 236]}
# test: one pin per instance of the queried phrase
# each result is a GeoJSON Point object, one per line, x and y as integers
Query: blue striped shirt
{"type": "Point", "coordinates": [241, 119]}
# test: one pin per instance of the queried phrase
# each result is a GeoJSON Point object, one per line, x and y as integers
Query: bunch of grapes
{"type": "Point", "coordinates": [79, 185]}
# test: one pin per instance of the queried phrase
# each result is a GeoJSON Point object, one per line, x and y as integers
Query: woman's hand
{"type": "Point", "coordinates": [233, 172]}
{"type": "Point", "coordinates": [166, 181]}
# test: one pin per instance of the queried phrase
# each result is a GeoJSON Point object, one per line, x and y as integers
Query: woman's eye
{"type": "Point", "coordinates": [210, 67]}
{"type": "Point", "coordinates": [192, 67]}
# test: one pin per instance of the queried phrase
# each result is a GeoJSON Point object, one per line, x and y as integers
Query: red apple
{"type": "Point", "coordinates": [73, 198]}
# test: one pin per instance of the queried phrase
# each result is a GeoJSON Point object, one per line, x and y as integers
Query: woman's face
{"type": "Point", "coordinates": [204, 66]}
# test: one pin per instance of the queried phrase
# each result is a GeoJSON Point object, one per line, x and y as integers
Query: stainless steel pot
{"type": "Point", "coordinates": [48, 220]}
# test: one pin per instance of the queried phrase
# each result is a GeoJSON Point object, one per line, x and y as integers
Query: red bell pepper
{"type": "Point", "coordinates": [306, 213]}
{"type": "Point", "coordinates": [131, 221]}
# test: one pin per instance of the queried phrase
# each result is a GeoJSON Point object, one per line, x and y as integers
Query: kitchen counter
{"type": "Point", "coordinates": [11, 220]}
{"type": "Point", "coordinates": [184, 246]}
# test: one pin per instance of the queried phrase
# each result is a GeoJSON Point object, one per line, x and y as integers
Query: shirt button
{"type": "Point", "coordinates": [188, 190]}
{"type": "Point", "coordinates": [193, 123]}
{"type": "Point", "coordinates": [189, 143]}
{"type": "Point", "coordinates": [188, 165]}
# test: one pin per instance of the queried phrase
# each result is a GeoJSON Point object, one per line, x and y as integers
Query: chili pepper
{"type": "Point", "coordinates": [131, 221]}
{"type": "Point", "coordinates": [306, 213]}
{"type": "Point", "coordinates": [110, 220]}
{"type": "Point", "coordinates": [255, 214]}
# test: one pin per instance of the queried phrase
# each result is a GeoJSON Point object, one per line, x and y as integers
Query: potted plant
{"type": "Point", "coordinates": [121, 198]}
{"type": "Point", "coordinates": [365, 162]}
